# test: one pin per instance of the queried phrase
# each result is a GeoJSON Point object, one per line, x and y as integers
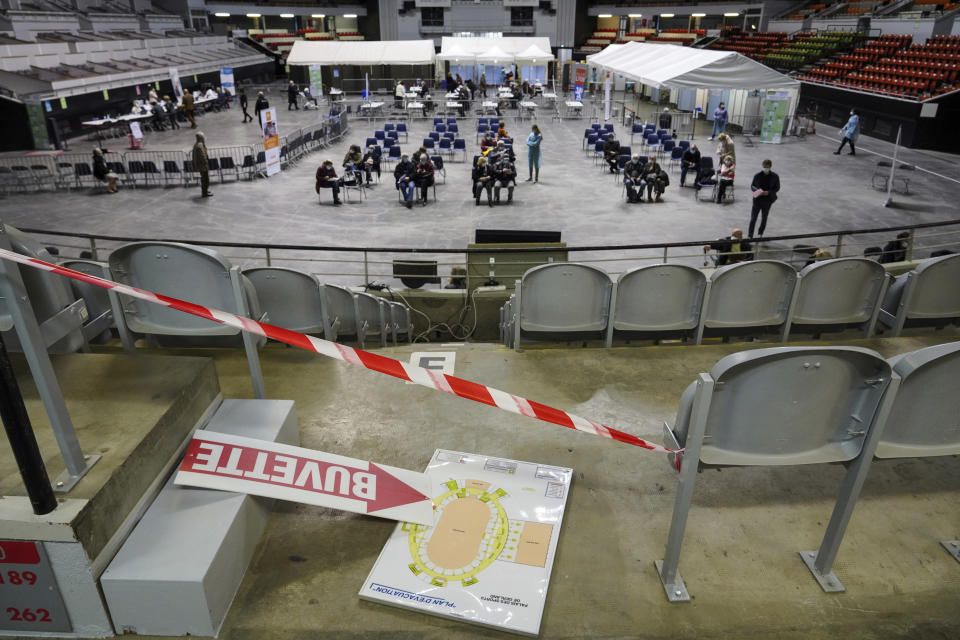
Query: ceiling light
{"type": "Point", "coordinates": [731, 15]}
{"type": "Point", "coordinates": [222, 15]}
{"type": "Point", "coordinates": [349, 15]}
{"type": "Point", "coordinates": [666, 15]}
{"type": "Point", "coordinates": [253, 15]}
{"type": "Point", "coordinates": [698, 15]}
{"type": "Point", "coordinates": [318, 15]}
{"type": "Point", "coordinates": [605, 15]}
{"type": "Point", "coordinates": [286, 15]}
{"type": "Point", "coordinates": [636, 15]}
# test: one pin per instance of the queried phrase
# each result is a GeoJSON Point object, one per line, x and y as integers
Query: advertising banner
{"type": "Point", "coordinates": [316, 80]}
{"type": "Point", "coordinates": [263, 468]}
{"type": "Point", "coordinates": [226, 80]}
{"type": "Point", "coordinates": [488, 557]}
{"type": "Point", "coordinates": [774, 116]}
{"type": "Point", "coordinates": [175, 81]}
{"type": "Point", "coordinates": [579, 80]}
{"type": "Point", "coordinates": [271, 139]}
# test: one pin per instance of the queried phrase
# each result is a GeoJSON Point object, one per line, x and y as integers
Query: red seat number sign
{"type": "Point", "coordinates": [29, 597]}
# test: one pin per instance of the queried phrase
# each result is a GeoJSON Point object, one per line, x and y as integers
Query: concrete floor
{"type": "Point", "coordinates": [746, 525]}
{"type": "Point", "coordinates": [821, 192]}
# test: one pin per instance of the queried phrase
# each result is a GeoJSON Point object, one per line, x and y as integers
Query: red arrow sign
{"type": "Point", "coordinates": [233, 463]}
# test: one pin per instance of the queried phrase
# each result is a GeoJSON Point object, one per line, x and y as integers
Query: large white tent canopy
{"type": "Point", "coordinates": [676, 67]}
{"type": "Point", "coordinates": [357, 52]}
{"type": "Point", "coordinates": [500, 49]}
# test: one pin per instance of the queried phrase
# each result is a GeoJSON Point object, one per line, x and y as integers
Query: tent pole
{"type": "Point", "coordinates": [893, 168]}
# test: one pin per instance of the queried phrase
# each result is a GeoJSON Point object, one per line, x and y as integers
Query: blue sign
{"type": "Point", "coordinates": [578, 93]}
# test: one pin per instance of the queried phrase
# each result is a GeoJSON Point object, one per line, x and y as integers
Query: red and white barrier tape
{"type": "Point", "coordinates": [425, 377]}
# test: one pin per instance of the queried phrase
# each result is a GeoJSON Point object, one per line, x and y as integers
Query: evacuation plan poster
{"type": "Point", "coordinates": [488, 556]}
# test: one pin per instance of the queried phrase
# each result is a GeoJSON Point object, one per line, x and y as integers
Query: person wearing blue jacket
{"type": "Point", "coordinates": [533, 152]}
{"type": "Point", "coordinates": [719, 120]}
{"type": "Point", "coordinates": [850, 132]}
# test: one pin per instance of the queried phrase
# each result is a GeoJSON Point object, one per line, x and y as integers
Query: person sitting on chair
{"type": "Point", "coordinates": [327, 179]}
{"type": "Point", "coordinates": [632, 173]}
{"type": "Point", "coordinates": [690, 160]}
{"type": "Point", "coordinates": [502, 132]}
{"type": "Point", "coordinates": [353, 159]}
{"type": "Point", "coordinates": [895, 250]}
{"type": "Point", "coordinates": [371, 162]}
{"type": "Point", "coordinates": [403, 173]}
{"type": "Point", "coordinates": [420, 153]}
{"type": "Point", "coordinates": [483, 180]}
{"type": "Point", "coordinates": [727, 172]}
{"type": "Point", "coordinates": [506, 176]}
{"type": "Point", "coordinates": [730, 250]}
{"type": "Point", "coordinates": [487, 142]}
{"type": "Point", "coordinates": [611, 151]}
{"type": "Point", "coordinates": [654, 178]}
{"type": "Point", "coordinates": [423, 176]}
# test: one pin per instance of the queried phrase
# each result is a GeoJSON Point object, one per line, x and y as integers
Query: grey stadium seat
{"type": "Point", "coordinates": [927, 296]}
{"type": "Point", "coordinates": [290, 298]}
{"type": "Point", "coordinates": [400, 319]}
{"type": "Point", "coordinates": [659, 301]}
{"type": "Point", "coordinates": [340, 312]}
{"type": "Point", "coordinates": [748, 298]}
{"type": "Point", "coordinates": [775, 406]}
{"type": "Point", "coordinates": [194, 274]}
{"type": "Point", "coordinates": [562, 301]}
{"type": "Point", "coordinates": [371, 319]}
{"type": "Point", "coordinates": [835, 294]}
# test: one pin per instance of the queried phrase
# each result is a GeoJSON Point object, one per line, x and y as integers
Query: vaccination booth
{"type": "Point", "coordinates": [346, 65]}
{"type": "Point", "coordinates": [526, 58]}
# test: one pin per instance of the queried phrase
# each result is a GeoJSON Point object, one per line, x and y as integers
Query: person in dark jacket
{"type": "Point", "coordinates": [260, 105]}
{"type": "Point", "coordinates": [201, 164]}
{"type": "Point", "coordinates": [102, 172]}
{"type": "Point", "coordinates": [611, 152]}
{"type": "Point", "coordinates": [765, 186]}
{"type": "Point", "coordinates": [505, 173]}
{"type": "Point", "coordinates": [690, 161]}
{"type": "Point", "coordinates": [632, 174]}
{"type": "Point", "coordinates": [731, 249]}
{"type": "Point", "coordinates": [171, 112]}
{"type": "Point", "coordinates": [243, 105]}
{"type": "Point", "coordinates": [189, 108]}
{"type": "Point", "coordinates": [327, 179]}
{"type": "Point", "coordinates": [423, 176]}
{"type": "Point", "coordinates": [654, 178]}
{"type": "Point", "coordinates": [404, 173]}
{"type": "Point", "coordinates": [483, 180]}
{"type": "Point", "coordinates": [292, 96]}
{"type": "Point", "coordinates": [895, 250]}
{"type": "Point", "coordinates": [666, 119]}
{"type": "Point", "coordinates": [371, 162]}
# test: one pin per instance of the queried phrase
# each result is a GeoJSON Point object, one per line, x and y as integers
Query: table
{"type": "Point", "coordinates": [528, 107]}
{"type": "Point", "coordinates": [372, 107]}
{"type": "Point", "coordinates": [452, 95]}
{"type": "Point", "coordinates": [336, 94]}
{"type": "Point", "coordinates": [105, 123]}
{"type": "Point", "coordinates": [574, 108]}
{"type": "Point", "coordinates": [489, 106]}
{"type": "Point", "coordinates": [552, 97]}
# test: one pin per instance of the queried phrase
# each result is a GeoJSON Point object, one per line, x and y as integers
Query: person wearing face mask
{"type": "Point", "coordinates": [403, 173]}
{"type": "Point", "coordinates": [483, 179]}
{"type": "Point", "coordinates": [719, 121]}
{"type": "Point", "coordinates": [632, 173]}
{"type": "Point", "coordinates": [327, 179]}
{"type": "Point", "coordinates": [727, 171]}
{"type": "Point", "coordinates": [690, 161]}
{"type": "Point", "coordinates": [850, 133]}
{"type": "Point", "coordinates": [725, 147]}
{"type": "Point", "coordinates": [765, 186]}
{"type": "Point", "coordinates": [654, 178]}
{"type": "Point", "coordinates": [423, 176]}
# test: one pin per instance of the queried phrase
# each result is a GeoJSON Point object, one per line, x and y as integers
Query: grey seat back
{"type": "Point", "coordinates": [194, 274]}
{"type": "Point", "coordinates": [659, 297]}
{"type": "Point", "coordinates": [935, 293]}
{"type": "Point", "coordinates": [564, 297]}
{"type": "Point", "coordinates": [290, 298]}
{"type": "Point", "coordinates": [340, 311]}
{"type": "Point", "coordinates": [400, 318]}
{"type": "Point", "coordinates": [49, 294]}
{"type": "Point", "coordinates": [844, 290]}
{"type": "Point", "coordinates": [750, 294]}
{"type": "Point", "coordinates": [96, 298]}
{"type": "Point", "coordinates": [926, 411]}
{"type": "Point", "coordinates": [370, 315]}
{"type": "Point", "coordinates": [788, 405]}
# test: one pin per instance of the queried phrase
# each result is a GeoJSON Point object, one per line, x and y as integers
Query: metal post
{"type": "Point", "coordinates": [93, 249]}
{"type": "Point", "coordinates": [839, 246]}
{"type": "Point", "coordinates": [893, 169]}
{"type": "Point", "coordinates": [366, 268]}
{"type": "Point", "coordinates": [909, 253]}
{"type": "Point", "coordinates": [665, 255]}
{"type": "Point", "coordinates": [22, 441]}
{"type": "Point", "coordinates": [268, 256]}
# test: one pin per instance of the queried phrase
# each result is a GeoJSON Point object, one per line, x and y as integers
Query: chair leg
{"type": "Point", "coordinates": [249, 342]}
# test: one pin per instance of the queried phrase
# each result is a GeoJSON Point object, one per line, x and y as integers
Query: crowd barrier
{"type": "Point", "coordinates": [149, 168]}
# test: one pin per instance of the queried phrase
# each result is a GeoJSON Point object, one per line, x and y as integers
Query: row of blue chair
{"type": "Point", "coordinates": [450, 146]}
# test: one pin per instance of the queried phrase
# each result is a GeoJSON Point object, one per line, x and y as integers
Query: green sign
{"type": "Point", "coordinates": [194, 77]}
{"type": "Point", "coordinates": [774, 116]}
{"type": "Point", "coordinates": [106, 94]}
{"type": "Point", "coordinates": [316, 80]}
{"type": "Point", "coordinates": [63, 103]}
{"type": "Point", "coordinates": [156, 85]}
{"type": "Point", "coordinates": [38, 126]}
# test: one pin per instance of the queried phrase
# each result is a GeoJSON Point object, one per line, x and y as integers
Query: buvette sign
{"type": "Point", "coordinates": [234, 463]}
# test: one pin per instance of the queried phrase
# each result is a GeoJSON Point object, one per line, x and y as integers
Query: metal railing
{"type": "Point", "coordinates": [362, 265]}
{"type": "Point", "coordinates": [146, 168]}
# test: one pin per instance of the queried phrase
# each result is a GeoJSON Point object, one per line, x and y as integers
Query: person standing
{"type": "Point", "coordinates": [399, 92]}
{"type": "Point", "coordinates": [725, 147]}
{"type": "Point", "coordinates": [666, 120]}
{"type": "Point", "coordinates": [765, 186]}
{"type": "Point", "coordinates": [483, 84]}
{"type": "Point", "coordinates": [188, 108]}
{"type": "Point", "coordinates": [260, 105]}
{"type": "Point", "coordinates": [171, 112]}
{"type": "Point", "coordinates": [201, 164]}
{"type": "Point", "coordinates": [533, 152]}
{"type": "Point", "coordinates": [719, 120]}
{"type": "Point", "coordinates": [850, 133]}
{"type": "Point", "coordinates": [243, 105]}
{"type": "Point", "coordinates": [292, 96]}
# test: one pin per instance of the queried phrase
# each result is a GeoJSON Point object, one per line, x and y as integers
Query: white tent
{"type": "Point", "coordinates": [509, 47]}
{"type": "Point", "coordinates": [349, 52]}
{"type": "Point", "coordinates": [672, 66]}
{"type": "Point", "coordinates": [457, 53]}
{"type": "Point", "coordinates": [534, 54]}
{"type": "Point", "coordinates": [494, 55]}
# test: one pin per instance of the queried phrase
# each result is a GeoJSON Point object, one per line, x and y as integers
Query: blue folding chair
{"type": "Point", "coordinates": [438, 170]}
{"type": "Point", "coordinates": [446, 146]}
{"type": "Point", "coordinates": [608, 126]}
{"type": "Point", "coordinates": [590, 143]}
{"type": "Point", "coordinates": [459, 144]}
{"type": "Point", "coordinates": [454, 128]}
{"type": "Point", "coordinates": [668, 146]}
{"type": "Point", "coordinates": [428, 143]}
{"type": "Point", "coordinates": [482, 121]}
{"type": "Point", "coordinates": [675, 157]}
{"type": "Point", "coordinates": [371, 142]}
{"type": "Point", "coordinates": [437, 120]}
{"type": "Point", "coordinates": [625, 150]}
{"type": "Point", "coordinates": [636, 130]}
{"type": "Point", "coordinates": [451, 121]}
{"type": "Point", "coordinates": [441, 128]}
{"type": "Point", "coordinates": [481, 130]}
{"type": "Point", "coordinates": [684, 144]}
{"type": "Point", "coordinates": [379, 134]}
{"type": "Point", "coordinates": [598, 150]}
{"type": "Point", "coordinates": [449, 135]}
{"type": "Point", "coordinates": [435, 135]}
{"type": "Point", "coordinates": [393, 155]}
{"type": "Point", "coordinates": [402, 130]}
{"type": "Point", "coordinates": [596, 126]}
{"type": "Point", "coordinates": [388, 126]}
